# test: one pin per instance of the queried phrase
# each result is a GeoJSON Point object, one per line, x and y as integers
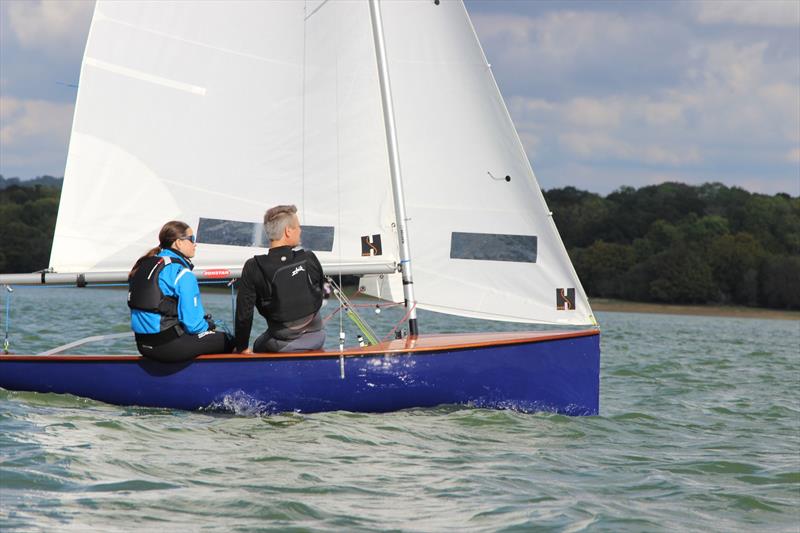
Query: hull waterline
{"type": "Point", "coordinates": [556, 372]}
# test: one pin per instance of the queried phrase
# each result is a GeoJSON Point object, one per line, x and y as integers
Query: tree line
{"type": "Point", "coordinates": [672, 243]}
{"type": "Point", "coordinates": [678, 243]}
{"type": "Point", "coordinates": [28, 212]}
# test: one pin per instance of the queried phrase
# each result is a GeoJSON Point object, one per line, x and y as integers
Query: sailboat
{"type": "Point", "coordinates": [382, 122]}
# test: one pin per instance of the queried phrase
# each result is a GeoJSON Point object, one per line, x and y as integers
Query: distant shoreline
{"type": "Point", "coordinates": [623, 306]}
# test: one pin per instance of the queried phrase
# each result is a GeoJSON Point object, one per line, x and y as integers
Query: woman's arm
{"type": "Point", "coordinates": [190, 309]}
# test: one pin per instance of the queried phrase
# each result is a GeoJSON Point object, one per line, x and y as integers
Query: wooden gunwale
{"type": "Point", "coordinates": [421, 344]}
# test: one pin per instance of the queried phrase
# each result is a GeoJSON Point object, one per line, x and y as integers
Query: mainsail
{"type": "Point", "coordinates": [210, 112]}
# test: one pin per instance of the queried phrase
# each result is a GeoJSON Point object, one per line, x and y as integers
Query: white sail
{"type": "Point", "coordinates": [481, 246]}
{"type": "Point", "coordinates": [210, 112]}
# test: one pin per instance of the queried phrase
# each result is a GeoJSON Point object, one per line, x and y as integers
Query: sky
{"type": "Point", "coordinates": [604, 94]}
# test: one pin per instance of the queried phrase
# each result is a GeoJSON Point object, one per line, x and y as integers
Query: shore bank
{"type": "Point", "coordinates": [622, 306]}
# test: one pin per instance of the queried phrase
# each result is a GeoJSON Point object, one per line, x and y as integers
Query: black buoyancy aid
{"type": "Point", "coordinates": [144, 293]}
{"type": "Point", "coordinates": [294, 294]}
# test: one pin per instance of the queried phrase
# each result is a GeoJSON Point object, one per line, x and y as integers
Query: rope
{"type": "Point", "coordinates": [408, 314]}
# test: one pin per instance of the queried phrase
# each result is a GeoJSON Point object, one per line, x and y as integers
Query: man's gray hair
{"type": "Point", "coordinates": [277, 219]}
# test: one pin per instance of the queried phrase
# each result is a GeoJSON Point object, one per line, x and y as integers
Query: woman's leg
{"type": "Point", "coordinates": [188, 347]}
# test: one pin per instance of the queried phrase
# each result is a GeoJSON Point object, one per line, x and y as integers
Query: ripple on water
{"type": "Point", "coordinates": [688, 439]}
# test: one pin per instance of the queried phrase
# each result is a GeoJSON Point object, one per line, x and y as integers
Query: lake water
{"type": "Point", "coordinates": [699, 431]}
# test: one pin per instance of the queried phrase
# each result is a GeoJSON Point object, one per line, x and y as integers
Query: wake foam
{"type": "Point", "coordinates": [242, 404]}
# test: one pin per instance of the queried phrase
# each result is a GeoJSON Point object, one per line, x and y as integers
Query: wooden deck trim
{"type": "Point", "coordinates": [421, 344]}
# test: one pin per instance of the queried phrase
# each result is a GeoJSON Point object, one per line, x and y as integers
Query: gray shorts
{"type": "Point", "coordinates": [313, 340]}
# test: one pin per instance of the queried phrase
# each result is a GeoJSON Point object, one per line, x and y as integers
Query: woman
{"type": "Point", "coordinates": [166, 313]}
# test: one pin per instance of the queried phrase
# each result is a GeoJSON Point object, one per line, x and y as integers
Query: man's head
{"type": "Point", "coordinates": [282, 226]}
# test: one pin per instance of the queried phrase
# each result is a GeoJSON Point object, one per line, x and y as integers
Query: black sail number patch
{"type": "Point", "coordinates": [371, 246]}
{"type": "Point", "coordinates": [565, 299]}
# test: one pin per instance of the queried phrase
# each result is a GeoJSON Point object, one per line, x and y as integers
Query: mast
{"type": "Point", "coordinates": [394, 163]}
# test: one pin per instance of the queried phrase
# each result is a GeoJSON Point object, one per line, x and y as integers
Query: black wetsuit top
{"type": "Point", "coordinates": [286, 286]}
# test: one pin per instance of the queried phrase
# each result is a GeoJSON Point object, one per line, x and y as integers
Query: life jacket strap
{"type": "Point", "coordinates": [162, 337]}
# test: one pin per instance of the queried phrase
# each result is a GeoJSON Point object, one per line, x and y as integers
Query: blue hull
{"type": "Point", "coordinates": [549, 374]}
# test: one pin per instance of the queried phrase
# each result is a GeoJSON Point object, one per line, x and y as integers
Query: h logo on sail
{"type": "Point", "coordinates": [371, 246]}
{"type": "Point", "coordinates": [565, 299]}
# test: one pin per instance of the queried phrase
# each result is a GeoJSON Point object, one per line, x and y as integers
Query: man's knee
{"type": "Point", "coordinates": [310, 341]}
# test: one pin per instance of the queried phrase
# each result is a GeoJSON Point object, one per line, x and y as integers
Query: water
{"type": "Point", "coordinates": [699, 431]}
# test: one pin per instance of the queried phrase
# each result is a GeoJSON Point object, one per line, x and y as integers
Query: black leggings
{"type": "Point", "coordinates": [187, 347]}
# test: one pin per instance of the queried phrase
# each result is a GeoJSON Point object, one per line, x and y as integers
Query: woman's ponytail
{"type": "Point", "coordinates": [170, 232]}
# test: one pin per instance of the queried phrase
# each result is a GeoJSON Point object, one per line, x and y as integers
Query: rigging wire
{"type": "Point", "coordinates": [6, 342]}
{"type": "Point", "coordinates": [353, 315]}
{"type": "Point", "coordinates": [233, 301]}
{"type": "Point", "coordinates": [303, 117]}
{"type": "Point", "coordinates": [408, 314]}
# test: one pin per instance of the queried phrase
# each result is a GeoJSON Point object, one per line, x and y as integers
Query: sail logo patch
{"type": "Point", "coordinates": [217, 273]}
{"type": "Point", "coordinates": [371, 246]}
{"type": "Point", "coordinates": [565, 299]}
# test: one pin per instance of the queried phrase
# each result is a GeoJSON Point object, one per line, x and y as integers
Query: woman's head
{"type": "Point", "coordinates": [177, 235]}
{"type": "Point", "coordinates": [174, 235]}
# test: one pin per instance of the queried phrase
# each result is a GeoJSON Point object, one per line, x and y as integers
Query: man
{"type": "Point", "coordinates": [286, 286]}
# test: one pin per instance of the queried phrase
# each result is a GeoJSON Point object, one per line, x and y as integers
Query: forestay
{"type": "Point", "coordinates": [210, 112]}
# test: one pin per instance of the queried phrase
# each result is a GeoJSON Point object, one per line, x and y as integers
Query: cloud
{"type": "Point", "coordinates": [595, 113]}
{"type": "Point", "coordinates": [48, 25]}
{"type": "Point", "coordinates": [34, 132]}
{"type": "Point", "coordinates": [601, 146]}
{"type": "Point", "coordinates": [559, 53]}
{"type": "Point", "coordinates": [774, 13]}
{"type": "Point", "coordinates": [728, 111]}
{"type": "Point", "coordinates": [602, 94]}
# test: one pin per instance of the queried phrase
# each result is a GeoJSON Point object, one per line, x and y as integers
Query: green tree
{"type": "Point", "coordinates": [679, 277]}
{"type": "Point", "coordinates": [602, 266]}
{"type": "Point", "coordinates": [702, 231]}
{"type": "Point", "coordinates": [780, 282]}
{"type": "Point", "coordinates": [27, 222]}
{"type": "Point", "coordinates": [735, 260]}
{"type": "Point", "coordinates": [578, 215]}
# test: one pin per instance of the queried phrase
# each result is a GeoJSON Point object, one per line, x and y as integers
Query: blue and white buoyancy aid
{"type": "Point", "coordinates": [164, 293]}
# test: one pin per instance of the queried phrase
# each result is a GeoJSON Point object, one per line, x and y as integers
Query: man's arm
{"type": "Point", "coordinates": [245, 300]}
{"type": "Point", "coordinates": [318, 276]}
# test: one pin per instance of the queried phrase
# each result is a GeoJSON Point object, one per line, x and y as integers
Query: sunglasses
{"type": "Point", "coordinates": [189, 238]}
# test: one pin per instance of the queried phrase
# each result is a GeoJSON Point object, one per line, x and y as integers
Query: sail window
{"type": "Point", "coordinates": [493, 247]}
{"type": "Point", "coordinates": [237, 233]}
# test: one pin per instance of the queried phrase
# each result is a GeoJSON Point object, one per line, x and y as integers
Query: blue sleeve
{"type": "Point", "coordinates": [190, 308]}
